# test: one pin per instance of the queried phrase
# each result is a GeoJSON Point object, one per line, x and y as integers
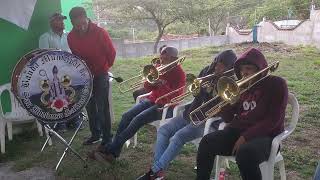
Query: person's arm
{"type": "Point", "coordinates": [70, 43]}
{"type": "Point", "coordinates": [173, 80]}
{"type": "Point", "coordinates": [197, 101]}
{"type": "Point", "coordinates": [274, 117]}
{"type": "Point", "coordinates": [44, 41]}
{"type": "Point", "coordinates": [107, 45]}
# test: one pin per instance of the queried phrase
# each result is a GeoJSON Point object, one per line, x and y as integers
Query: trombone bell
{"type": "Point", "coordinates": [228, 89]}
{"type": "Point", "coordinates": [150, 73]}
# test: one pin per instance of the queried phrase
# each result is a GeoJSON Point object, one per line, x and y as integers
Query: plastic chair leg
{"type": "Point", "coordinates": [9, 127]}
{"type": "Point", "coordinates": [282, 170]}
{"type": "Point", "coordinates": [2, 136]}
{"type": "Point", "coordinates": [135, 140]}
{"type": "Point", "coordinates": [128, 143]}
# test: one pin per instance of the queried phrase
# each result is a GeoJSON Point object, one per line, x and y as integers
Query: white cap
{"type": "Point", "coordinates": [171, 51]}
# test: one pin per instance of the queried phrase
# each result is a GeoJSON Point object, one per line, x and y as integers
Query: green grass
{"type": "Point", "coordinates": [300, 66]}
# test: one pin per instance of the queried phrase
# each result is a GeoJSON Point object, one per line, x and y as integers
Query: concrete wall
{"type": "Point", "coordinates": [146, 48]}
{"type": "Point", "coordinates": [306, 33]}
{"type": "Point", "coordinates": [235, 36]}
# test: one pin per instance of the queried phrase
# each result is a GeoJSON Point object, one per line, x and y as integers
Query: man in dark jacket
{"type": "Point", "coordinates": [254, 120]}
{"type": "Point", "coordinates": [173, 135]}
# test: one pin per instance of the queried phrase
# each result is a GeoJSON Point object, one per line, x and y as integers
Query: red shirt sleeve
{"type": "Point", "coordinates": [108, 47]}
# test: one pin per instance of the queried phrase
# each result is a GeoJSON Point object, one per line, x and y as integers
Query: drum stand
{"type": "Point", "coordinates": [51, 132]}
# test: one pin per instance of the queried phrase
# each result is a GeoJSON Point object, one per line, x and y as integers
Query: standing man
{"type": "Point", "coordinates": [95, 47]}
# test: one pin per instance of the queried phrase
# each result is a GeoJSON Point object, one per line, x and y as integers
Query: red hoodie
{"type": "Point", "coordinates": [260, 111]}
{"type": "Point", "coordinates": [174, 79]}
{"type": "Point", "coordinates": [95, 48]}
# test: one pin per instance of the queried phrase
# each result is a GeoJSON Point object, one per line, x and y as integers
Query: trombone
{"type": "Point", "coordinates": [155, 61]}
{"type": "Point", "coordinates": [194, 87]}
{"type": "Point", "coordinates": [229, 92]}
{"type": "Point", "coordinates": [149, 74]}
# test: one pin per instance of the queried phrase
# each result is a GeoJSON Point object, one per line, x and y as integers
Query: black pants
{"type": "Point", "coordinates": [98, 109]}
{"type": "Point", "coordinates": [248, 156]}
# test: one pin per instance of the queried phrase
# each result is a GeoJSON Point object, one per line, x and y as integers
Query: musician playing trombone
{"type": "Point", "coordinates": [173, 135]}
{"type": "Point", "coordinates": [143, 90]}
{"type": "Point", "coordinates": [146, 111]}
{"type": "Point", "coordinates": [254, 120]}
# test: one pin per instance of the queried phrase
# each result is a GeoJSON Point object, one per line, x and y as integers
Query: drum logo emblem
{"type": "Point", "coordinates": [57, 94]}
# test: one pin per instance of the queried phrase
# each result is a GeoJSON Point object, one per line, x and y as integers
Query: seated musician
{"type": "Point", "coordinates": [173, 135]}
{"type": "Point", "coordinates": [143, 90]}
{"type": "Point", "coordinates": [147, 110]}
{"type": "Point", "coordinates": [254, 120]}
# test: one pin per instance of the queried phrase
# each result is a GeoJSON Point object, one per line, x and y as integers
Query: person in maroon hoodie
{"type": "Point", "coordinates": [147, 110]}
{"type": "Point", "coordinates": [254, 120]}
{"type": "Point", "coordinates": [95, 47]}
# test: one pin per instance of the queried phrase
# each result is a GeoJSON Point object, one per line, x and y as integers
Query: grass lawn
{"type": "Point", "coordinates": [300, 66]}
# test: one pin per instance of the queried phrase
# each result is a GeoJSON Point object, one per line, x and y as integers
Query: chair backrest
{"type": "Point", "coordinates": [292, 100]}
{"type": "Point", "coordinates": [15, 105]}
{"type": "Point", "coordinates": [110, 96]}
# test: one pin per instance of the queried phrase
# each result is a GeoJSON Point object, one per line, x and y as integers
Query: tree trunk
{"type": "Point", "coordinates": [155, 47]}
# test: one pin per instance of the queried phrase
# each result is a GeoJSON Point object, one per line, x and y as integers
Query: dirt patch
{"type": "Point", "coordinates": [265, 47]}
{"type": "Point", "coordinates": [35, 173]}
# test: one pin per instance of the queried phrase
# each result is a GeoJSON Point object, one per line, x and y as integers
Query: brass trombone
{"type": "Point", "coordinates": [229, 92]}
{"type": "Point", "coordinates": [150, 74]}
{"type": "Point", "coordinates": [155, 61]}
{"type": "Point", "coordinates": [194, 86]}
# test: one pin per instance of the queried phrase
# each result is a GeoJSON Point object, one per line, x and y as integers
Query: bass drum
{"type": "Point", "coordinates": [52, 85]}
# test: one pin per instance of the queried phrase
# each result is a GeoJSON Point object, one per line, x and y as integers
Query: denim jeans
{"type": "Point", "coordinates": [170, 139]}
{"type": "Point", "coordinates": [98, 109]}
{"type": "Point", "coordinates": [317, 173]}
{"type": "Point", "coordinates": [139, 115]}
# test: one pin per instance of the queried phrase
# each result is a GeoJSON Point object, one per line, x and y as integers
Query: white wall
{"type": "Point", "coordinates": [306, 33]}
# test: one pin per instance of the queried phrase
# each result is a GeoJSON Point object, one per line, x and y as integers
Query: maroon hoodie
{"type": "Point", "coordinates": [95, 48]}
{"type": "Point", "coordinates": [260, 111]}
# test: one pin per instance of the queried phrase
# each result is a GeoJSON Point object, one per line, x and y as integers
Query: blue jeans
{"type": "Point", "coordinates": [139, 115]}
{"type": "Point", "coordinates": [170, 139]}
{"type": "Point", "coordinates": [98, 109]}
{"type": "Point", "coordinates": [317, 173]}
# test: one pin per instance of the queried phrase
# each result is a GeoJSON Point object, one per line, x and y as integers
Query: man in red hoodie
{"type": "Point", "coordinates": [94, 46]}
{"type": "Point", "coordinates": [254, 120]}
{"type": "Point", "coordinates": [147, 110]}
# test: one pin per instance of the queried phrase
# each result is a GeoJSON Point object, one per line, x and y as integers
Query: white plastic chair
{"type": "Point", "coordinates": [17, 115]}
{"type": "Point", "coordinates": [157, 123]}
{"type": "Point", "coordinates": [267, 167]}
{"type": "Point", "coordinates": [110, 97]}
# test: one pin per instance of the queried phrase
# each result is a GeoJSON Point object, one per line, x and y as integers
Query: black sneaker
{"type": "Point", "coordinates": [152, 176]}
{"type": "Point", "coordinates": [91, 140]}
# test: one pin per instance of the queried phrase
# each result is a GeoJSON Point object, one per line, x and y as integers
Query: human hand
{"type": "Point", "coordinates": [241, 140]}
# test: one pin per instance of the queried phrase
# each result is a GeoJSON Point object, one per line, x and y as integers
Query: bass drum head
{"type": "Point", "coordinates": [52, 85]}
{"type": "Point", "coordinates": [20, 65]}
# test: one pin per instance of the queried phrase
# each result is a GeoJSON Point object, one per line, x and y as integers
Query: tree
{"type": "Point", "coordinates": [198, 12]}
{"type": "Point", "coordinates": [161, 12]}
